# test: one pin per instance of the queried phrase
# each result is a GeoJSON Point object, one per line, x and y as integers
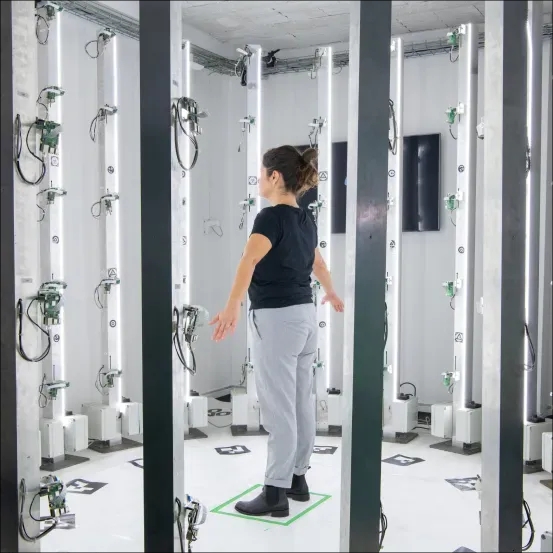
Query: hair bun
{"type": "Point", "coordinates": [310, 155]}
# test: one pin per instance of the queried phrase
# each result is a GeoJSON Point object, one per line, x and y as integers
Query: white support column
{"type": "Point", "coordinates": [400, 410]}
{"type": "Point", "coordinates": [108, 216]}
{"type": "Point", "coordinates": [179, 253]}
{"type": "Point", "coordinates": [467, 415]}
{"type": "Point", "coordinates": [322, 127]}
{"type": "Point", "coordinates": [534, 425]}
{"type": "Point", "coordinates": [180, 180]}
{"type": "Point", "coordinates": [28, 375]}
{"type": "Point", "coordinates": [50, 201]}
{"type": "Point", "coordinates": [253, 166]}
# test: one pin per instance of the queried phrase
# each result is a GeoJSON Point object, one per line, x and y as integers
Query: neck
{"type": "Point", "coordinates": [284, 199]}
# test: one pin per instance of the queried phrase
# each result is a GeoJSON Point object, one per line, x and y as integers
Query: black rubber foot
{"type": "Point", "coordinates": [532, 467]}
{"type": "Point", "coordinates": [463, 550]}
{"type": "Point", "coordinates": [66, 462]}
{"type": "Point", "coordinates": [465, 449]}
{"type": "Point", "coordinates": [194, 434]}
{"type": "Point", "coordinates": [400, 438]}
{"type": "Point", "coordinates": [547, 483]}
{"type": "Point", "coordinates": [335, 431]}
{"type": "Point", "coordinates": [104, 447]}
{"type": "Point", "coordinates": [242, 430]}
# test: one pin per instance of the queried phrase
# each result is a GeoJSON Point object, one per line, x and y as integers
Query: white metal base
{"type": "Point", "coordinates": [405, 414]}
{"type": "Point", "coordinates": [246, 415]}
{"type": "Point", "coordinates": [546, 542]}
{"type": "Point", "coordinates": [76, 433]}
{"type": "Point", "coordinates": [131, 419]}
{"type": "Point", "coordinates": [468, 426]}
{"type": "Point", "coordinates": [546, 451]}
{"type": "Point", "coordinates": [51, 440]}
{"type": "Point", "coordinates": [197, 412]}
{"type": "Point", "coordinates": [442, 420]}
{"type": "Point", "coordinates": [533, 432]}
{"type": "Point", "coordinates": [102, 422]}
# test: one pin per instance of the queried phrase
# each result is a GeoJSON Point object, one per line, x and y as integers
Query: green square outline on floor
{"type": "Point", "coordinates": [219, 510]}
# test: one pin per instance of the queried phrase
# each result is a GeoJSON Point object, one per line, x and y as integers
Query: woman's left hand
{"type": "Point", "coordinates": [226, 321]}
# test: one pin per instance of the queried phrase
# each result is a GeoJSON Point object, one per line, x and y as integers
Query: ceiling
{"type": "Point", "coordinates": [302, 24]}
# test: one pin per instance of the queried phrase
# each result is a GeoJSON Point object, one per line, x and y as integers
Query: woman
{"type": "Point", "coordinates": [276, 266]}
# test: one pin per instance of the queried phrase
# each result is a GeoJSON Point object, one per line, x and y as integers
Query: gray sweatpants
{"type": "Point", "coordinates": [283, 352]}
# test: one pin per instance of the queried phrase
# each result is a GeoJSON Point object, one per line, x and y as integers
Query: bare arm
{"type": "Point", "coordinates": [256, 249]}
{"type": "Point", "coordinates": [321, 272]}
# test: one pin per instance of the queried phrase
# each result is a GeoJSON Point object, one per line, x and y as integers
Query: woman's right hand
{"type": "Point", "coordinates": [335, 301]}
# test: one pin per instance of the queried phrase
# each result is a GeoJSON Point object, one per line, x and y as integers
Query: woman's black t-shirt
{"type": "Point", "coordinates": [283, 277]}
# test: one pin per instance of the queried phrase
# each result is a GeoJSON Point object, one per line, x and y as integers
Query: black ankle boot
{"type": "Point", "coordinates": [299, 490]}
{"type": "Point", "coordinates": [271, 501]}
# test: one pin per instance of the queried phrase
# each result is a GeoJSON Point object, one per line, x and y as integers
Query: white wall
{"type": "Point", "coordinates": [289, 102]}
{"type": "Point", "coordinates": [218, 185]}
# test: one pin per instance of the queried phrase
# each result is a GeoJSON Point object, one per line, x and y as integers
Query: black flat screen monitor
{"type": "Point", "coordinates": [338, 176]}
{"type": "Point", "coordinates": [421, 183]}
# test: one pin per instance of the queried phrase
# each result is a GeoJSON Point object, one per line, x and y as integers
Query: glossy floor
{"type": "Point", "coordinates": [425, 512]}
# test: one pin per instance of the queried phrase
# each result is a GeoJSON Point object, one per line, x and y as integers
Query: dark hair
{"type": "Point", "coordinates": [298, 170]}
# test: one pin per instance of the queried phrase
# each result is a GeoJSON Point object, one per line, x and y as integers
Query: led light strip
{"type": "Point", "coordinates": [186, 215]}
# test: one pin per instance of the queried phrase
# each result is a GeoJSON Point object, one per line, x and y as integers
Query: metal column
{"type": "Point", "coordinates": [546, 276]}
{"type": "Point", "coordinates": [503, 285]}
{"type": "Point", "coordinates": [467, 415]}
{"type": "Point", "coordinates": [245, 407]}
{"type": "Point", "coordinates": [9, 503]}
{"type": "Point", "coordinates": [369, 78]}
{"type": "Point", "coordinates": [20, 273]}
{"type": "Point", "coordinates": [400, 410]}
{"type": "Point", "coordinates": [322, 128]}
{"type": "Point", "coordinates": [533, 185]}
{"type": "Point", "coordinates": [163, 382]}
{"type": "Point", "coordinates": [108, 146]}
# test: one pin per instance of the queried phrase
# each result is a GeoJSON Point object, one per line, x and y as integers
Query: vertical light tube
{"type": "Point", "coordinates": [186, 194]}
{"type": "Point", "coordinates": [533, 178]}
{"type": "Point", "coordinates": [117, 215]}
{"type": "Point", "coordinates": [328, 139]}
{"type": "Point", "coordinates": [397, 223]}
{"type": "Point", "coordinates": [258, 121]}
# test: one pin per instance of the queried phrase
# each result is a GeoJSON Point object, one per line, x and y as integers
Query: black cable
{"type": "Point", "coordinates": [530, 524]}
{"type": "Point", "coordinates": [384, 527]}
{"type": "Point", "coordinates": [385, 324]}
{"type": "Point", "coordinates": [452, 49]}
{"type": "Point", "coordinates": [97, 49]}
{"type": "Point", "coordinates": [178, 346]}
{"type": "Point", "coordinates": [98, 383]}
{"type": "Point", "coordinates": [97, 299]}
{"type": "Point", "coordinates": [532, 349]}
{"type": "Point", "coordinates": [177, 118]}
{"type": "Point", "coordinates": [452, 221]}
{"type": "Point", "coordinates": [19, 345]}
{"type": "Point", "coordinates": [392, 144]}
{"type": "Point", "coordinates": [22, 530]}
{"type": "Point", "coordinates": [94, 124]}
{"type": "Point", "coordinates": [39, 17]}
{"type": "Point", "coordinates": [18, 146]}
{"type": "Point", "coordinates": [451, 133]}
{"type": "Point", "coordinates": [96, 216]}
{"type": "Point", "coordinates": [179, 523]}
{"type": "Point", "coordinates": [42, 399]}
{"type": "Point", "coordinates": [451, 302]}
{"type": "Point", "coordinates": [410, 384]}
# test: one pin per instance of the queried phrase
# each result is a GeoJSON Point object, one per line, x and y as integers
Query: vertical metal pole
{"type": "Point", "coordinates": [9, 513]}
{"type": "Point", "coordinates": [253, 153]}
{"type": "Point", "coordinates": [108, 141]}
{"type": "Point", "coordinates": [163, 389]}
{"type": "Point", "coordinates": [463, 343]}
{"type": "Point", "coordinates": [369, 78]}
{"type": "Point", "coordinates": [546, 274]}
{"type": "Point", "coordinates": [394, 240]}
{"type": "Point", "coordinates": [51, 200]}
{"type": "Point", "coordinates": [20, 243]}
{"type": "Point", "coordinates": [181, 208]}
{"type": "Point", "coordinates": [324, 232]}
{"type": "Point", "coordinates": [503, 285]}
{"type": "Point", "coordinates": [533, 184]}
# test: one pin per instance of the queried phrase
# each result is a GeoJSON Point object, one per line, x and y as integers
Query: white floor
{"type": "Point", "coordinates": [425, 513]}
